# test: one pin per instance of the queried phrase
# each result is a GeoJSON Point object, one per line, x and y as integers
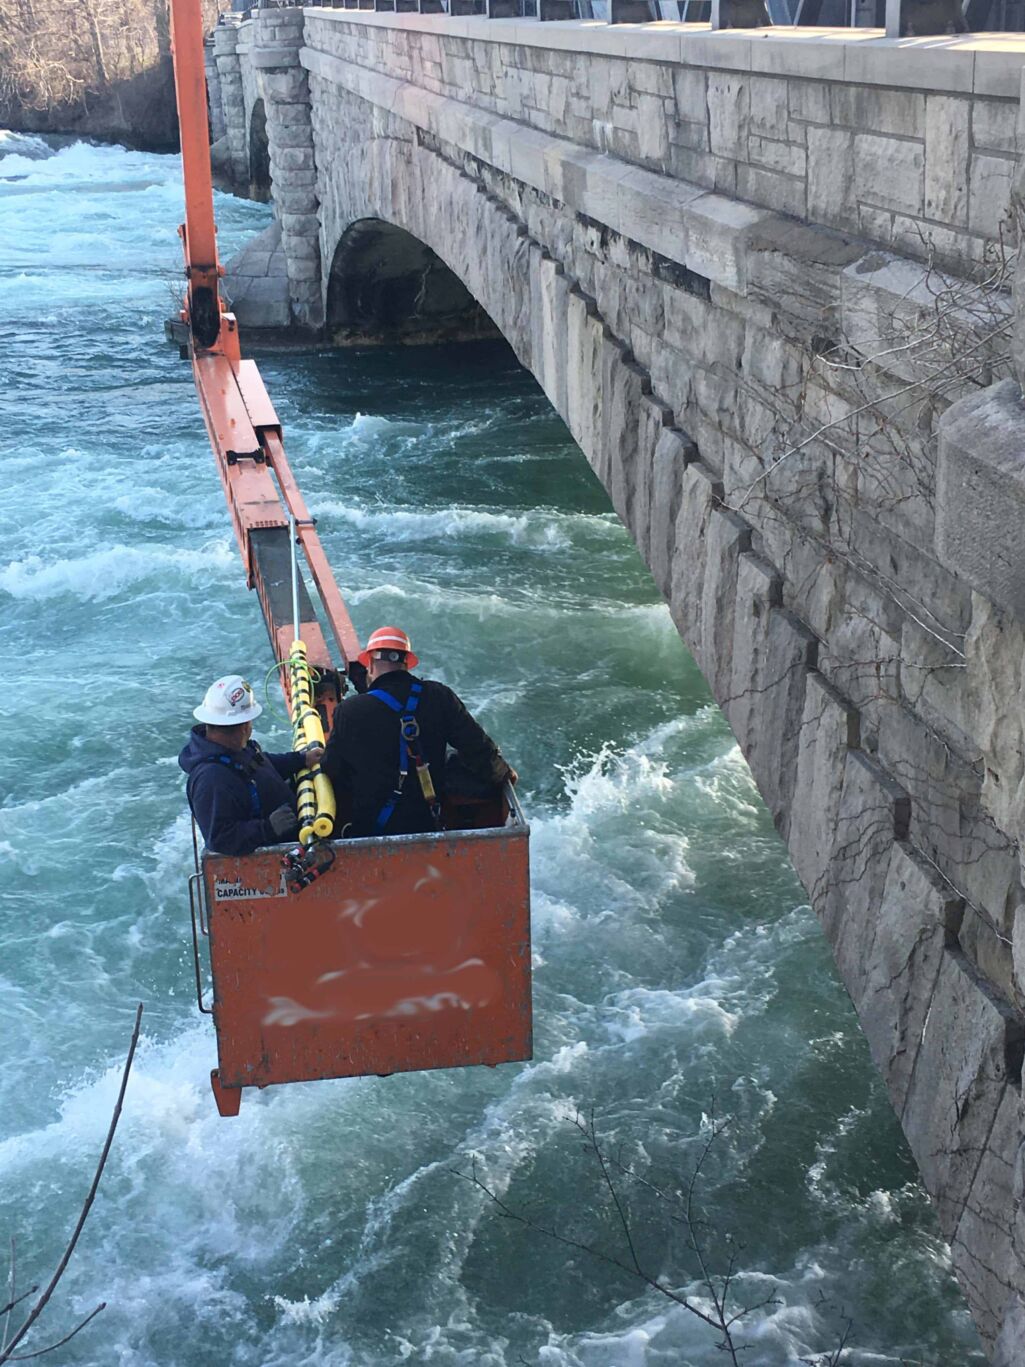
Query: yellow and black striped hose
{"type": "Point", "coordinates": [315, 798]}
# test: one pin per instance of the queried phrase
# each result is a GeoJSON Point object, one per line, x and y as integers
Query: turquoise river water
{"type": "Point", "coordinates": [677, 967]}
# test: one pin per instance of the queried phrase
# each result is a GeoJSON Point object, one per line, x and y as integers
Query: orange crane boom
{"type": "Point", "coordinates": [244, 429]}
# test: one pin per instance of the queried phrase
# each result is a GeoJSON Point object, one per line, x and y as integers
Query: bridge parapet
{"type": "Point", "coordinates": [910, 143]}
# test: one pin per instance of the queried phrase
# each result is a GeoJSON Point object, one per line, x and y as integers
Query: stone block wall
{"type": "Point", "coordinates": [760, 385]}
{"type": "Point", "coordinates": [258, 62]}
{"type": "Point", "coordinates": [245, 43]}
{"type": "Point", "coordinates": [281, 82]}
{"type": "Point", "coordinates": [902, 145]}
{"type": "Point", "coordinates": [215, 100]}
{"type": "Point", "coordinates": [235, 161]}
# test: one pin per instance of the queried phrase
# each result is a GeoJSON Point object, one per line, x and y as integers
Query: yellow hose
{"type": "Point", "coordinates": [315, 798]}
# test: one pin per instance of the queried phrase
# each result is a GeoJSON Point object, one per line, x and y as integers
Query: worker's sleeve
{"type": "Point", "coordinates": [474, 746]}
{"type": "Point", "coordinates": [222, 814]}
{"type": "Point", "coordinates": [333, 761]}
{"type": "Point", "coordinates": [287, 765]}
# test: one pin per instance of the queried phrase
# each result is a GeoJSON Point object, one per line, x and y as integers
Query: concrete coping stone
{"type": "Point", "coordinates": [224, 40]}
{"type": "Point", "coordinates": [981, 63]}
{"type": "Point", "coordinates": [267, 57]}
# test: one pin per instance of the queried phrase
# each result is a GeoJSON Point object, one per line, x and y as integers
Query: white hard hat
{"type": "Point", "coordinates": [228, 702]}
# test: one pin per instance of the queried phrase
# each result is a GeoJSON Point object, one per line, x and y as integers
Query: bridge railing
{"type": "Point", "coordinates": [899, 18]}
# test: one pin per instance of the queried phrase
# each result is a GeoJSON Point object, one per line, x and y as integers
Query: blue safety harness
{"type": "Point", "coordinates": [255, 806]}
{"type": "Point", "coordinates": [409, 748]}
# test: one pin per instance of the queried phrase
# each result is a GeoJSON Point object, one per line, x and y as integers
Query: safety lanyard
{"type": "Point", "coordinates": [409, 748]}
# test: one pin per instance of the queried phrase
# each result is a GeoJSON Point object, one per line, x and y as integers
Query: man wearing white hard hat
{"type": "Point", "coordinates": [240, 796]}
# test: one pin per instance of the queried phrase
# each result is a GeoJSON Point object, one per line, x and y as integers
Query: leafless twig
{"type": "Point", "coordinates": [6, 1309]}
{"type": "Point", "coordinates": [722, 1317]}
{"type": "Point", "coordinates": [835, 1357]}
{"type": "Point", "coordinates": [41, 1352]}
{"type": "Point", "coordinates": [7, 1353]}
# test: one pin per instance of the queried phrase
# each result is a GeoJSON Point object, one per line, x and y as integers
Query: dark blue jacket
{"type": "Point", "coordinates": [232, 801]}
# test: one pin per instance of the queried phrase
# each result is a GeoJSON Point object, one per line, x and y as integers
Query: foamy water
{"type": "Point", "coordinates": [677, 971]}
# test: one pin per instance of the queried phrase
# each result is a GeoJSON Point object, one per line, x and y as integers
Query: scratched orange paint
{"type": "Point", "coordinates": [409, 953]}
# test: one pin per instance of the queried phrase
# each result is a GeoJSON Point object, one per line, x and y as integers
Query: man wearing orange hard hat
{"type": "Point", "coordinates": [388, 745]}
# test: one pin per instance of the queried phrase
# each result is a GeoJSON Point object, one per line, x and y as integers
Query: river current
{"type": "Point", "coordinates": [679, 975]}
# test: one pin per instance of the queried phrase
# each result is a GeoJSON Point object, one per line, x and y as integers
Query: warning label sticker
{"type": "Point", "coordinates": [234, 890]}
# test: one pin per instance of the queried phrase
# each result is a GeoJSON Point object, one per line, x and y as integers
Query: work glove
{"type": "Point", "coordinates": [284, 822]}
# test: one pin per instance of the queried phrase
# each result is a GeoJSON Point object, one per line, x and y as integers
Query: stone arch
{"type": "Point", "coordinates": [259, 154]}
{"type": "Point", "coordinates": [387, 286]}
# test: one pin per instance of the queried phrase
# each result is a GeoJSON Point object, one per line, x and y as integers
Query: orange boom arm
{"type": "Point", "coordinates": [244, 429]}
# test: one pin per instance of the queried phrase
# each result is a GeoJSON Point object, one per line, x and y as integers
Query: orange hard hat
{"type": "Point", "coordinates": [388, 638]}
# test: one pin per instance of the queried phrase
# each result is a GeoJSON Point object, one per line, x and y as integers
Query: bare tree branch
{"type": "Point", "coordinates": [12, 1287]}
{"type": "Point", "coordinates": [720, 1318]}
{"type": "Point", "coordinates": [6, 1309]}
{"type": "Point", "coordinates": [40, 1352]}
{"type": "Point", "coordinates": [7, 1354]}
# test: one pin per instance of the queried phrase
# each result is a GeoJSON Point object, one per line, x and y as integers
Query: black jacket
{"type": "Point", "coordinates": [230, 813]}
{"type": "Point", "coordinates": [362, 756]}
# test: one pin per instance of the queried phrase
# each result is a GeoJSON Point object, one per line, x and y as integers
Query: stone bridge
{"type": "Point", "coordinates": [765, 277]}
